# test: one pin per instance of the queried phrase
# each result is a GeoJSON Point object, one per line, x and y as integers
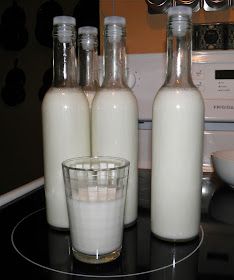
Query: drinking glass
{"type": "Point", "coordinates": [95, 191]}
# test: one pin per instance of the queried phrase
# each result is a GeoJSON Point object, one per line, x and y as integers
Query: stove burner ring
{"type": "Point", "coordinates": [173, 264]}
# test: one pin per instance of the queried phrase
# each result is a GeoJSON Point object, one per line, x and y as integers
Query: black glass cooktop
{"type": "Point", "coordinates": [30, 248]}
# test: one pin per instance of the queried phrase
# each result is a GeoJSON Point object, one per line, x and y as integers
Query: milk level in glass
{"type": "Point", "coordinates": [98, 225]}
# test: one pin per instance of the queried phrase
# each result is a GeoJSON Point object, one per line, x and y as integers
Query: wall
{"type": "Point", "coordinates": [21, 139]}
{"type": "Point", "coordinates": [145, 32]}
{"type": "Point", "coordinates": [20, 125]}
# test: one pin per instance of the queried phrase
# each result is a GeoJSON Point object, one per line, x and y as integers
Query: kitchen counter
{"type": "Point", "coordinates": [31, 249]}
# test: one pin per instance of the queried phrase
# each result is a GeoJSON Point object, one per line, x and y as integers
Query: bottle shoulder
{"type": "Point", "coordinates": [64, 92]}
{"type": "Point", "coordinates": [116, 94]}
{"type": "Point", "coordinates": [115, 99]}
{"type": "Point", "coordinates": [178, 93]}
{"type": "Point", "coordinates": [90, 88]}
{"type": "Point", "coordinates": [72, 96]}
{"type": "Point", "coordinates": [178, 99]}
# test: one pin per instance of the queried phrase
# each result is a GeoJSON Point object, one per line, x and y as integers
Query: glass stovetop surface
{"type": "Point", "coordinates": [30, 248]}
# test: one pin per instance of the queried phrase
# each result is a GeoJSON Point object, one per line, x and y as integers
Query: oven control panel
{"type": "Point", "coordinates": [215, 79]}
{"type": "Point", "coordinates": [213, 74]}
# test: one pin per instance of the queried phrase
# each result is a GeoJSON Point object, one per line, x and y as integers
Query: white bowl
{"type": "Point", "coordinates": [224, 165]}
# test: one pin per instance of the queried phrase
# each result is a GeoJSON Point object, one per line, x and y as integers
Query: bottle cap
{"type": "Point", "coordinates": [180, 19]}
{"type": "Point", "coordinates": [114, 28]}
{"type": "Point", "coordinates": [88, 37]}
{"type": "Point", "coordinates": [64, 27]}
{"type": "Point", "coordinates": [180, 10]}
{"type": "Point", "coordinates": [64, 20]}
{"type": "Point", "coordinates": [115, 20]}
{"type": "Point", "coordinates": [88, 30]}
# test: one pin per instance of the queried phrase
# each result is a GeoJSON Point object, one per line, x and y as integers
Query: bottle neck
{"type": "Point", "coordinates": [115, 61]}
{"type": "Point", "coordinates": [179, 53]}
{"type": "Point", "coordinates": [64, 62]}
{"type": "Point", "coordinates": [88, 65]}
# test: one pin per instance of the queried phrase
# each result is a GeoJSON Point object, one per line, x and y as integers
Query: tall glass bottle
{"type": "Point", "coordinates": [115, 112]}
{"type": "Point", "coordinates": [177, 139]}
{"type": "Point", "coordinates": [65, 120]}
{"type": "Point", "coordinates": [88, 61]}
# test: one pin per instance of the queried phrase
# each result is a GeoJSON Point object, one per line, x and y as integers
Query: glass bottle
{"type": "Point", "coordinates": [88, 61]}
{"type": "Point", "coordinates": [65, 120]}
{"type": "Point", "coordinates": [115, 112]}
{"type": "Point", "coordinates": [177, 139]}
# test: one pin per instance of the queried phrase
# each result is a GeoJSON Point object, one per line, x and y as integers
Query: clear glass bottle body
{"type": "Point", "coordinates": [177, 139]}
{"type": "Point", "coordinates": [65, 123]}
{"type": "Point", "coordinates": [88, 61]}
{"type": "Point", "coordinates": [115, 113]}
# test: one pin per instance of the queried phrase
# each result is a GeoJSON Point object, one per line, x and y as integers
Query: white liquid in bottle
{"type": "Point", "coordinates": [115, 133]}
{"type": "Point", "coordinates": [66, 130]}
{"type": "Point", "coordinates": [177, 139]}
{"type": "Point", "coordinates": [177, 161]}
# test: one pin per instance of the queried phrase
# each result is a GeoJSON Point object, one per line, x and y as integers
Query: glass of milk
{"type": "Point", "coordinates": [96, 191]}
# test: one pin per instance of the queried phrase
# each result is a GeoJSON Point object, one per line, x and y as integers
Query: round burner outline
{"type": "Point", "coordinates": [92, 275]}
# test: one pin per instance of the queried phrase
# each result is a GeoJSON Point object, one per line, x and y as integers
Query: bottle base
{"type": "Point", "coordinates": [58, 228]}
{"type": "Point", "coordinates": [131, 224]}
{"type": "Point", "coordinates": [175, 240]}
{"type": "Point", "coordinates": [96, 259]}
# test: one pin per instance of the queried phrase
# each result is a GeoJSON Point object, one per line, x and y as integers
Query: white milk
{"type": "Point", "coordinates": [97, 226]}
{"type": "Point", "coordinates": [177, 147]}
{"type": "Point", "coordinates": [66, 130]}
{"type": "Point", "coordinates": [115, 133]}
